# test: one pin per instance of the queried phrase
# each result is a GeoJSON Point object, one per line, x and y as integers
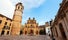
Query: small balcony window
{"type": "Point", "coordinates": [10, 24]}
{"type": "Point", "coordinates": [5, 23]}
{"type": "Point", "coordinates": [0, 21]}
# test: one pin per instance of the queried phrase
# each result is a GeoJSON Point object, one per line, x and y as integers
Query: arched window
{"type": "Point", "coordinates": [56, 32]}
{"type": "Point", "coordinates": [7, 32]}
{"type": "Point", "coordinates": [21, 32]}
{"type": "Point", "coordinates": [36, 32]}
{"type": "Point", "coordinates": [25, 32]}
{"type": "Point", "coordinates": [0, 21]}
{"type": "Point", "coordinates": [18, 7]}
{"type": "Point", "coordinates": [5, 23]}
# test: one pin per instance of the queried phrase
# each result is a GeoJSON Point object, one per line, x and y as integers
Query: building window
{"type": "Point", "coordinates": [10, 24]}
{"type": "Point", "coordinates": [5, 23]}
{"type": "Point", "coordinates": [9, 28]}
{"type": "Point", "coordinates": [18, 7]}
{"type": "Point", "coordinates": [25, 32]}
{"type": "Point", "coordinates": [56, 32]}
{"type": "Point", "coordinates": [7, 18]}
{"type": "Point", "coordinates": [7, 32]}
{"type": "Point", "coordinates": [36, 32]}
{"type": "Point", "coordinates": [31, 25]}
{"type": "Point", "coordinates": [21, 8]}
{"type": "Point", "coordinates": [21, 32]}
{"type": "Point", "coordinates": [2, 33]}
{"type": "Point", "coordinates": [48, 31]}
{"type": "Point", "coordinates": [6, 27]}
{"type": "Point", "coordinates": [48, 28]}
{"type": "Point", "coordinates": [0, 21]}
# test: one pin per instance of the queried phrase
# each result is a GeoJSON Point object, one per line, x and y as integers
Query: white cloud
{"type": "Point", "coordinates": [14, 2]}
{"type": "Point", "coordinates": [6, 8]}
{"type": "Point", "coordinates": [29, 4]}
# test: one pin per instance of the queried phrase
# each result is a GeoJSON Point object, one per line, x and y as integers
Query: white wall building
{"type": "Point", "coordinates": [48, 31]}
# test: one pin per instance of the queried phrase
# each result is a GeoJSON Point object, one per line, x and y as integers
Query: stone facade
{"type": "Point", "coordinates": [12, 26]}
{"type": "Point", "coordinates": [5, 25]}
{"type": "Point", "coordinates": [17, 19]}
{"type": "Point", "coordinates": [47, 28]}
{"type": "Point", "coordinates": [32, 28]}
{"type": "Point", "coordinates": [60, 24]}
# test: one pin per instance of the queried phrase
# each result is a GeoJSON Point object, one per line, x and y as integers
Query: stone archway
{"type": "Point", "coordinates": [36, 32]}
{"type": "Point", "coordinates": [31, 32]}
{"type": "Point", "coordinates": [62, 31]}
{"type": "Point", "coordinates": [21, 32]}
{"type": "Point", "coordinates": [25, 32]}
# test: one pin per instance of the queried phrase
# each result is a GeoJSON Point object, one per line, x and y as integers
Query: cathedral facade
{"type": "Point", "coordinates": [31, 27]}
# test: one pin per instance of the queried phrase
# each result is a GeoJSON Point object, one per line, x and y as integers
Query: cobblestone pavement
{"type": "Point", "coordinates": [23, 37]}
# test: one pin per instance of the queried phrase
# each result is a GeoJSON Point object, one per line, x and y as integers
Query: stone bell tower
{"type": "Point", "coordinates": [17, 19]}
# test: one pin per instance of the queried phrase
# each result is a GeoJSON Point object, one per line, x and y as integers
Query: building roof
{"type": "Point", "coordinates": [6, 17]}
{"type": "Point", "coordinates": [31, 21]}
{"type": "Point", "coordinates": [42, 26]}
{"type": "Point", "coordinates": [19, 3]}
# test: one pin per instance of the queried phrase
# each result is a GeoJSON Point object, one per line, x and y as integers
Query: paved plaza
{"type": "Point", "coordinates": [40, 37]}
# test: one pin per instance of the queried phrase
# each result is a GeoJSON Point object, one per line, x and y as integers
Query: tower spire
{"type": "Point", "coordinates": [17, 19]}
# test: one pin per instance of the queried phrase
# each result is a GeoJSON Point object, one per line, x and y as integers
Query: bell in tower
{"type": "Point", "coordinates": [17, 19]}
{"type": "Point", "coordinates": [19, 6]}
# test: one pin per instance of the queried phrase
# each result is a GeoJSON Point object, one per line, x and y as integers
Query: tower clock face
{"type": "Point", "coordinates": [18, 13]}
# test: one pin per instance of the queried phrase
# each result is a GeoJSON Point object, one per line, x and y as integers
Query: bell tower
{"type": "Point", "coordinates": [17, 19]}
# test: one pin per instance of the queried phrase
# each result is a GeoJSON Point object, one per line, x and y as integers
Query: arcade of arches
{"type": "Point", "coordinates": [60, 26]}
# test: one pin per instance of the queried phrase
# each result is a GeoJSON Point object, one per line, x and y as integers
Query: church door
{"type": "Point", "coordinates": [31, 32]}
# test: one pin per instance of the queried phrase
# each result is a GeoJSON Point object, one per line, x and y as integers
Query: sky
{"type": "Point", "coordinates": [41, 10]}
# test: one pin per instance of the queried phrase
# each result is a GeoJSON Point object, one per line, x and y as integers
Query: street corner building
{"type": "Point", "coordinates": [60, 26]}
{"type": "Point", "coordinates": [12, 26]}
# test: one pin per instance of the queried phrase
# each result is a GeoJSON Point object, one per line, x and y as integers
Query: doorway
{"type": "Point", "coordinates": [21, 32]}
{"type": "Point", "coordinates": [7, 32]}
{"type": "Point", "coordinates": [37, 32]}
{"type": "Point", "coordinates": [25, 32]}
{"type": "Point", "coordinates": [62, 31]}
{"type": "Point", "coordinates": [31, 32]}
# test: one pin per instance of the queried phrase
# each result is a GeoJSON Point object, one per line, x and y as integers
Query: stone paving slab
{"type": "Point", "coordinates": [24, 37]}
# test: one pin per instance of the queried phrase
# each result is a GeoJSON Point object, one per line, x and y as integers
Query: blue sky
{"type": "Point", "coordinates": [42, 10]}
